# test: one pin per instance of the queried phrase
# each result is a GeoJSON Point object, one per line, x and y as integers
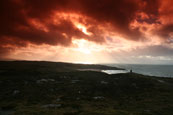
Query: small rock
{"type": "Point", "coordinates": [104, 82]}
{"type": "Point", "coordinates": [77, 98]}
{"type": "Point", "coordinates": [98, 97]}
{"type": "Point", "coordinates": [75, 81]}
{"type": "Point", "coordinates": [147, 110]}
{"type": "Point", "coordinates": [41, 80]}
{"type": "Point", "coordinates": [52, 90]}
{"type": "Point", "coordinates": [58, 99]}
{"type": "Point", "coordinates": [63, 77]}
{"type": "Point", "coordinates": [15, 92]}
{"type": "Point", "coordinates": [45, 80]}
{"type": "Point", "coordinates": [51, 106]}
{"type": "Point", "coordinates": [52, 80]}
{"type": "Point", "coordinates": [134, 84]}
{"type": "Point", "coordinates": [26, 82]}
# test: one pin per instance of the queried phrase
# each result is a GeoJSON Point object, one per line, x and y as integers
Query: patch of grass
{"type": "Point", "coordinates": [61, 83]}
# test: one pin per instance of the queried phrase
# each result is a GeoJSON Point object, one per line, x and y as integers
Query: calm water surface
{"type": "Point", "coordinates": [152, 70]}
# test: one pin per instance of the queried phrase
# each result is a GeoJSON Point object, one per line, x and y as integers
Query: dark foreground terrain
{"type": "Point", "coordinates": [47, 88]}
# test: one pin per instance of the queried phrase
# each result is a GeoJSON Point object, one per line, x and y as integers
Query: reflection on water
{"type": "Point", "coordinates": [115, 71]}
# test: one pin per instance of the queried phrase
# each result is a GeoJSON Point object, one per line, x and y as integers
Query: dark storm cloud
{"type": "Point", "coordinates": [154, 51]}
{"type": "Point", "coordinates": [166, 31]}
{"type": "Point", "coordinates": [16, 15]}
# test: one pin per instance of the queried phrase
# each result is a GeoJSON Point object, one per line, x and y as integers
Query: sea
{"type": "Point", "coordinates": [145, 69]}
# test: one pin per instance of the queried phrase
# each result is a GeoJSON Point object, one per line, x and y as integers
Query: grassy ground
{"type": "Point", "coordinates": [44, 88]}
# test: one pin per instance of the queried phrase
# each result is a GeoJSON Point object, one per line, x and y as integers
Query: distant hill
{"type": "Point", "coordinates": [51, 66]}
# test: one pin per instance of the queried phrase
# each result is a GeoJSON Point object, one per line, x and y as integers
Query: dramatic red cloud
{"type": "Point", "coordinates": [59, 22]}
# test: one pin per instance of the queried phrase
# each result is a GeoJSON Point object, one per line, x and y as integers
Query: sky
{"type": "Point", "coordinates": [87, 31]}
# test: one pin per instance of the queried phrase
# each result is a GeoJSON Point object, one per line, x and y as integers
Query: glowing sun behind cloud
{"type": "Point", "coordinates": [83, 29]}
